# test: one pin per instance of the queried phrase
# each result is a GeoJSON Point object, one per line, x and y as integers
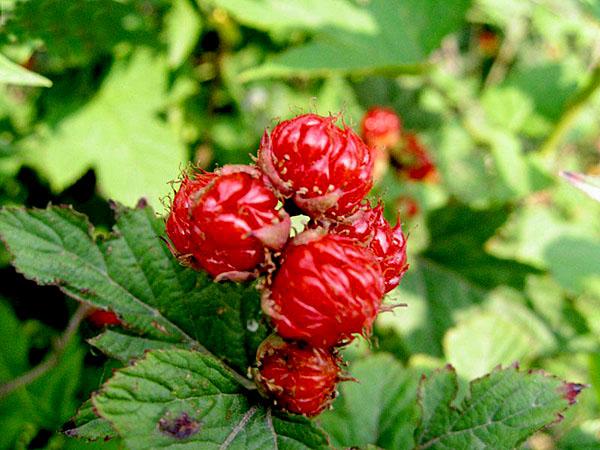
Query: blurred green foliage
{"type": "Point", "coordinates": [504, 254]}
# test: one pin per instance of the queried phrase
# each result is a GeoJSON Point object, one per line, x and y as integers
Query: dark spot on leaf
{"type": "Point", "coordinates": [570, 391]}
{"type": "Point", "coordinates": [142, 203]}
{"type": "Point", "coordinates": [178, 427]}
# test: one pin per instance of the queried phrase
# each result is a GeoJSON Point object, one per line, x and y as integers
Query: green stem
{"type": "Point", "coordinates": [570, 114]}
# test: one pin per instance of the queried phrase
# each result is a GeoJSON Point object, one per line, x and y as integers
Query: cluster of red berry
{"type": "Point", "coordinates": [323, 286]}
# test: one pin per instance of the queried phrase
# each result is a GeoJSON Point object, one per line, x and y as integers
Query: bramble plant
{"type": "Point", "coordinates": [300, 224]}
{"type": "Point", "coordinates": [189, 319]}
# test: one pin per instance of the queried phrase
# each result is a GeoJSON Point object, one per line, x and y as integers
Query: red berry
{"type": "Point", "coordinates": [415, 161]}
{"type": "Point", "coordinates": [381, 127]}
{"type": "Point", "coordinates": [101, 318]}
{"type": "Point", "coordinates": [233, 220]}
{"type": "Point", "coordinates": [179, 221]}
{"type": "Point", "coordinates": [326, 290]}
{"type": "Point", "coordinates": [369, 227]}
{"type": "Point", "coordinates": [299, 378]}
{"type": "Point", "coordinates": [324, 169]}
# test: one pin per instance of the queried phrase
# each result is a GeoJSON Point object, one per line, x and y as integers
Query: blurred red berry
{"type": "Point", "coordinates": [326, 290]}
{"type": "Point", "coordinates": [233, 219]}
{"type": "Point", "coordinates": [407, 206]}
{"type": "Point", "coordinates": [381, 127]}
{"type": "Point", "coordinates": [489, 43]}
{"type": "Point", "coordinates": [369, 227]}
{"type": "Point", "coordinates": [324, 169]}
{"type": "Point", "coordinates": [102, 318]}
{"type": "Point", "coordinates": [301, 379]}
{"type": "Point", "coordinates": [414, 160]}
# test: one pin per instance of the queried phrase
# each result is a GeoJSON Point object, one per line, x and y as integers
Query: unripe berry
{"type": "Point", "coordinates": [233, 220]}
{"type": "Point", "coordinates": [369, 227]}
{"type": "Point", "coordinates": [327, 289]}
{"type": "Point", "coordinates": [299, 378]}
{"type": "Point", "coordinates": [102, 318]}
{"type": "Point", "coordinates": [325, 170]}
{"type": "Point", "coordinates": [381, 127]}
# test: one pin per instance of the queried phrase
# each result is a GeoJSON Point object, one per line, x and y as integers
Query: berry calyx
{"type": "Point", "coordinates": [325, 170]}
{"type": "Point", "coordinates": [299, 378]}
{"type": "Point", "coordinates": [101, 318]}
{"type": "Point", "coordinates": [326, 290]}
{"type": "Point", "coordinates": [381, 127]}
{"type": "Point", "coordinates": [369, 227]}
{"type": "Point", "coordinates": [233, 221]}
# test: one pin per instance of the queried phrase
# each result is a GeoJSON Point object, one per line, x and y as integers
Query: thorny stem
{"type": "Point", "coordinates": [59, 348]}
{"type": "Point", "coordinates": [570, 114]}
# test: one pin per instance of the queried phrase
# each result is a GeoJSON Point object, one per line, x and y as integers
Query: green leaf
{"type": "Point", "coordinates": [436, 298]}
{"type": "Point", "coordinates": [500, 411]}
{"type": "Point", "coordinates": [89, 426]}
{"type": "Point", "coordinates": [133, 273]}
{"type": "Point", "coordinates": [405, 33]}
{"type": "Point", "coordinates": [117, 133]}
{"type": "Point", "coordinates": [183, 27]}
{"type": "Point", "coordinates": [183, 399]}
{"type": "Point", "coordinates": [377, 409]}
{"type": "Point", "coordinates": [269, 15]}
{"type": "Point", "coordinates": [11, 73]}
{"type": "Point", "coordinates": [460, 246]}
{"type": "Point", "coordinates": [126, 348]}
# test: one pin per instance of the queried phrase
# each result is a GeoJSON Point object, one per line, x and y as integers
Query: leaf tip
{"type": "Point", "coordinates": [570, 391]}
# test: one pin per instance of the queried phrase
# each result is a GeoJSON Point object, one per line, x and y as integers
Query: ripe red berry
{"type": "Point", "coordinates": [178, 225]}
{"type": "Point", "coordinates": [301, 379]}
{"type": "Point", "coordinates": [369, 227]}
{"type": "Point", "coordinates": [324, 169]}
{"type": "Point", "coordinates": [326, 290]}
{"type": "Point", "coordinates": [414, 161]}
{"type": "Point", "coordinates": [381, 127]}
{"type": "Point", "coordinates": [101, 318]}
{"type": "Point", "coordinates": [233, 219]}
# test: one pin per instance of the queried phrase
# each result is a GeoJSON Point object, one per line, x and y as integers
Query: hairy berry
{"type": "Point", "coordinates": [369, 227]}
{"type": "Point", "coordinates": [324, 169]}
{"type": "Point", "coordinates": [178, 225]}
{"type": "Point", "coordinates": [326, 290]}
{"type": "Point", "coordinates": [381, 127]}
{"type": "Point", "coordinates": [232, 220]}
{"type": "Point", "coordinates": [101, 318]}
{"type": "Point", "coordinates": [301, 379]}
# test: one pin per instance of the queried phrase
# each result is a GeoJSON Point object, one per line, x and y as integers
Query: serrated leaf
{"type": "Point", "coordinates": [126, 348]}
{"type": "Point", "coordinates": [89, 426]}
{"type": "Point", "coordinates": [182, 399]}
{"type": "Point", "coordinates": [12, 73]}
{"type": "Point", "coordinates": [117, 133]}
{"type": "Point", "coordinates": [133, 273]}
{"type": "Point", "coordinates": [405, 33]}
{"type": "Point", "coordinates": [377, 409]}
{"type": "Point", "coordinates": [500, 411]}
